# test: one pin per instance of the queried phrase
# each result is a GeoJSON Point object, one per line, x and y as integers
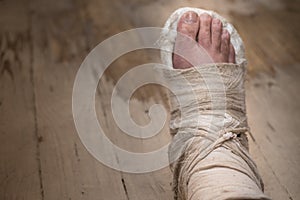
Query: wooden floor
{"type": "Point", "coordinates": [42, 44]}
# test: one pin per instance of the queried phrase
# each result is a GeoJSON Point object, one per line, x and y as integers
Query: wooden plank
{"type": "Point", "coordinates": [272, 185]}
{"type": "Point", "coordinates": [19, 165]}
{"type": "Point", "coordinates": [274, 119]}
{"type": "Point", "coordinates": [153, 185]}
{"type": "Point", "coordinates": [68, 170]}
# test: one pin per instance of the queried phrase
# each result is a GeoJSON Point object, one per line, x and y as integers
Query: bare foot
{"type": "Point", "coordinates": [209, 34]}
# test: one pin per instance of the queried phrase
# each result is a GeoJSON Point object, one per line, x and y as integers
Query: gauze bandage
{"type": "Point", "coordinates": [209, 151]}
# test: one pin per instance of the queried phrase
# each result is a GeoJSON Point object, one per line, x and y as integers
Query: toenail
{"type": "Point", "coordinates": [190, 18]}
{"type": "Point", "coordinates": [216, 21]}
{"type": "Point", "coordinates": [205, 16]}
{"type": "Point", "coordinates": [225, 34]}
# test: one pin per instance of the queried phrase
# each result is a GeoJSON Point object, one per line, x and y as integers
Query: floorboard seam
{"type": "Point", "coordinates": [124, 187]}
{"type": "Point", "coordinates": [36, 134]}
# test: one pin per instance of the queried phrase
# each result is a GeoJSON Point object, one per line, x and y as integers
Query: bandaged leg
{"type": "Point", "coordinates": [209, 151]}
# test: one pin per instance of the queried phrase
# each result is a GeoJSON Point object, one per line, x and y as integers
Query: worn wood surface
{"type": "Point", "coordinates": [42, 44]}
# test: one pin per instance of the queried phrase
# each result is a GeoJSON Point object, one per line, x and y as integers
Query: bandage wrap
{"type": "Point", "coordinates": [208, 120]}
{"type": "Point", "coordinates": [209, 150]}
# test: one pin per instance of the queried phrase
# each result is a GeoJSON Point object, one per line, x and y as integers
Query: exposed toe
{"type": "Point", "coordinates": [204, 37]}
{"type": "Point", "coordinates": [216, 33]}
{"type": "Point", "coordinates": [188, 25]}
{"type": "Point", "coordinates": [231, 54]}
{"type": "Point", "coordinates": [225, 44]}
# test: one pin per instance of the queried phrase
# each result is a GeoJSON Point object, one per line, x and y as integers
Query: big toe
{"type": "Point", "coordinates": [188, 27]}
{"type": "Point", "coordinates": [188, 24]}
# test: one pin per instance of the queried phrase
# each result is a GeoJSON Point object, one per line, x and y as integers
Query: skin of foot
{"type": "Point", "coordinates": [209, 34]}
